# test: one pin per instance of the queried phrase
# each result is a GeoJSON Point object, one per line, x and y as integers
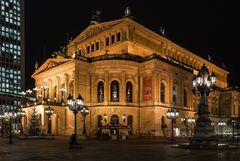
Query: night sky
{"type": "Point", "coordinates": [204, 27]}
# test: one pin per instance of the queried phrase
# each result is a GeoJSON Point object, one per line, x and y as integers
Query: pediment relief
{"type": "Point", "coordinates": [52, 64]}
{"type": "Point", "coordinates": [49, 64]}
{"type": "Point", "coordinates": [95, 29]}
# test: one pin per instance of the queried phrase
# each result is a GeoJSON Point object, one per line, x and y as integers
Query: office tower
{"type": "Point", "coordinates": [12, 54]}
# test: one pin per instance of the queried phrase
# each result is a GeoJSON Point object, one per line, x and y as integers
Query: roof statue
{"type": "Point", "coordinates": [95, 17]}
{"type": "Point", "coordinates": [209, 58]}
{"type": "Point", "coordinates": [127, 12]}
{"type": "Point", "coordinates": [36, 65]}
{"type": "Point", "coordinates": [162, 31]}
{"type": "Point", "coordinates": [61, 53]}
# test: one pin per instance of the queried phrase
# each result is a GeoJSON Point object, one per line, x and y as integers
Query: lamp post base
{"type": "Point", "coordinates": [73, 142]}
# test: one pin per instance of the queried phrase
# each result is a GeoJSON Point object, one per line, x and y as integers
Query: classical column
{"type": "Point", "coordinates": [122, 88]}
{"type": "Point", "coordinates": [154, 87]}
{"type": "Point", "coordinates": [66, 79]}
{"type": "Point", "coordinates": [106, 87]}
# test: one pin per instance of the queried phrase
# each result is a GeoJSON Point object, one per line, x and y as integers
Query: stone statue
{"type": "Point", "coordinates": [96, 17]}
{"type": "Point", "coordinates": [36, 65]}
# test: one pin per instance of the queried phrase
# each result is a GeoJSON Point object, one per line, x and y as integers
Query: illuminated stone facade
{"type": "Point", "coordinates": [124, 70]}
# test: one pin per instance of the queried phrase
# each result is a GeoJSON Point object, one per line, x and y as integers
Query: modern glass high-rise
{"type": "Point", "coordinates": [12, 53]}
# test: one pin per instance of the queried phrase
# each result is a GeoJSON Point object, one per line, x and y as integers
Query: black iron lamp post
{"type": "Point", "coordinates": [20, 115]}
{"type": "Point", "coordinates": [204, 83]}
{"type": "Point", "coordinates": [49, 111]}
{"type": "Point", "coordinates": [84, 111]}
{"type": "Point", "coordinates": [10, 116]}
{"type": "Point", "coordinates": [172, 114]}
{"type": "Point", "coordinates": [233, 125]}
{"type": "Point", "coordinates": [75, 107]}
{"type": "Point", "coordinates": [221, 124]}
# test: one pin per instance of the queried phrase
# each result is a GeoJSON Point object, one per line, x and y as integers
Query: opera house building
{"type": "Point", "coordinates": [129, 78]}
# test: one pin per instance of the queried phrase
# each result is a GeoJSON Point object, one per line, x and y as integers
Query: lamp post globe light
{"type": "Point", "coordinates": [49, 111]}
{"type": "Point", "coordinates": [204, 83]}
{"type": "Point", "coordinates": [84, 111]}
{"type": "Point", "coordinates": [9, 116]}
{"type": "Point", "coordinates": [75, 107]}
{"type": "Point", "coordinates": [221, 124]}
{"type": "Point", "coordinates": [20, 115]}
{"type": "Point", "coordinates": [172, 114]}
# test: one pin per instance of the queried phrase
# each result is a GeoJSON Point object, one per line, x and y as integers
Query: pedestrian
{"type": "Point", "coordinates": [107, 136]}
{"type": "Point", "coordinates": [103, 136]}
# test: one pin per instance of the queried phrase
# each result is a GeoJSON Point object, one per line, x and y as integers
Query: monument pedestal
{"type": "Point", "coordinates": [203, 142]}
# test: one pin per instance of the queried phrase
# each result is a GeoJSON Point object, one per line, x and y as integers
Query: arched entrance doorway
{"type": "Point", "coordinates": [114, 122]}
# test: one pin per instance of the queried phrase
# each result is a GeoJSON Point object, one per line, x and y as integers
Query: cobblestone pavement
{"type": "Point", "coordinates": [96, 150]}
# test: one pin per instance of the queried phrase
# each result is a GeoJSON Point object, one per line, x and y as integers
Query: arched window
{"type": "Point", "coordinates": [62, 90]}
{"type": "Point", "coordinates": [55, 92]}
{"type": "Point", "coordinates": [100, 92]}
{"type": "Point", "coordinates": [129, 92]}
{"type": "Point", "coordinates": [71, 88]}
{"type": "Point", "coordinates": [174, 95]}
{"type": "Point", "coordinates": [47, 97]}
{"type": "Point", "coordinates": [185, 98]}
{"type": "Point", "coordinates": [130, 123]}
{"type": "Point", "coordinates": [114, 91]}
{"type": "Point", "coordinates": [162, 92]}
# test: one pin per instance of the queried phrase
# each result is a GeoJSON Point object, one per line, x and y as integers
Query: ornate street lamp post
{"type": "Point", "coordinates": [204, 84]}
{"type": "Point", "coordinates": [84, 111]}
{"type": "Point", "coordinates": [9, 116]}
{"type": "Point", "coordinates": [233, 125]}
{"type": "Point", "coordinates": [221, 124]}
{"type": "Point", "coordinates": [49, 111]}
{"type": "Point", "coordinates": [172, 114]}
{"type": "Point", "coordinates": [20, 115]}
{"type": "Point", "coordinates": [75, 107]}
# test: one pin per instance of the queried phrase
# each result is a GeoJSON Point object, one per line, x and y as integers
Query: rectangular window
{"type": "Point", "coordinates": [107, 41]}
{"type": "Point", "coordinates": [88, 49]}
{"type": "Point", "coordinates": [80, 52]}
{"type": "Point", "coordinates": [118, 36]}
{"type": "Point", "coordinates": [97, 45]}
{"type": "Point", "coordinates": [92, 48]}
{"type": "Point", "coordinates": [112, 39]}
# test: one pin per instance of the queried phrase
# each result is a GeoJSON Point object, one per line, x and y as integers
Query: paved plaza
{"type": "Point", "coordinates": [98, 150]}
